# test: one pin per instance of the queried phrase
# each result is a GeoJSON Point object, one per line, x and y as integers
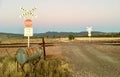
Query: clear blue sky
{"type": "Point", "coordinates": [62, 15]}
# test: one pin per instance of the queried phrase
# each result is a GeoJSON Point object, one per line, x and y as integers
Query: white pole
{"type": "Point", "coordinates": [89, 38]}
{"type": "Point", "coordinates": [28, 41]}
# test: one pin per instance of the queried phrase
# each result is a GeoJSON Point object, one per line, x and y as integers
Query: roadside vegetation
{"type": "Point", "coordinates": [45, 68]}
{"type": "Point", "coordinates": [71, 37]}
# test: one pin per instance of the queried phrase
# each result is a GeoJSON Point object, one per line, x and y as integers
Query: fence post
{"type": "Point", "coordinates": [43, 41]}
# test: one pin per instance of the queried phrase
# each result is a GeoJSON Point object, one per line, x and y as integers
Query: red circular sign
{"type": "Point", "coordinates": [28, 22]}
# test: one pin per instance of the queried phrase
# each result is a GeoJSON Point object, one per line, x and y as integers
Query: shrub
{"type": "Point", "coordinates": [71, 37]}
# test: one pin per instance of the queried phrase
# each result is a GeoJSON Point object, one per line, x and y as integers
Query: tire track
{"type": "Point", "coordinates": [101, 55]}
{"type": "Point", "coordinates": [75, 51]}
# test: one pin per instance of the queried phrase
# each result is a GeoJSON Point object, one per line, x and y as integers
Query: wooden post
{"type": "Point", "coordinates": [44, 48]}
{"type": "Point", "coordinates": [28, 41]}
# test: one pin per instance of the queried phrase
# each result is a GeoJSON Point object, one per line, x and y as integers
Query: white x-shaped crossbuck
{"type": "Point", "coordinates": [28, 14]}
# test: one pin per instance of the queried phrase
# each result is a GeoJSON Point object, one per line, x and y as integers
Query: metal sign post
{"type": "Point", "coordinates": [28, 41]}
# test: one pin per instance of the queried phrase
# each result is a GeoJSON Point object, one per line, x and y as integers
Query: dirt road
{"type": "Point", "coordinates": [92, 60]}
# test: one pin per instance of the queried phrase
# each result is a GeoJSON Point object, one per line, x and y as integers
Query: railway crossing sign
{"type": "Point", "coordinates": [28, 30]}
{"type": "Point", "coordinates": [28, 15]}
{"type": "Point", "coordinates": [89, 29]}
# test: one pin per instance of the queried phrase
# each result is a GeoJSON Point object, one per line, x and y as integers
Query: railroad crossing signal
{"type": "Point", "coordinates": [89, 29]}
{"type": "Point", "coordinates": [28, 15]}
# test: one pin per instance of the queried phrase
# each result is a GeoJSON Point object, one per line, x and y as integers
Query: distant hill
{"type": "Point", "coordinates": [62, 34]}
{"type": "Point", "coordinates": [65, 34]}
{"type": "Point", "coordinates": [10, 35]}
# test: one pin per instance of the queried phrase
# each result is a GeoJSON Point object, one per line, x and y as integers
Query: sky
{"type": "Point", "coordinates": [61, 15]}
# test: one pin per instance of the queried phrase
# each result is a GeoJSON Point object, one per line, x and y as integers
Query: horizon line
{"type": "Point", "coordinates": [63, 31]}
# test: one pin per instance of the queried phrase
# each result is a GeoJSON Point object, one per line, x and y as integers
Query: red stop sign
{"type": "Point", "coordinates": [28, 22]}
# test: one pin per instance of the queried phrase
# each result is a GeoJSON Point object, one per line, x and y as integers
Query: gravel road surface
{"type": "Point", "coordinates": [92, 60]}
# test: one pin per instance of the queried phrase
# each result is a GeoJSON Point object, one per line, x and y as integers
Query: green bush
{"type": "Point", "coordinates": [71, 37]}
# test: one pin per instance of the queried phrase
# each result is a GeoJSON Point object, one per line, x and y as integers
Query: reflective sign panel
{"type": "Point", "coordinates": [28, 31]}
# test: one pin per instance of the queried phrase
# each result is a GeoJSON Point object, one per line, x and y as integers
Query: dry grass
{"type": "Point", "coordinates": [52, 40]}
{"type": "Point", "coordinates": [98, 39]}
{"type": "Point", "coordinates": [45, 68]}
{"type": "Point", "coordinates": [37, 40]}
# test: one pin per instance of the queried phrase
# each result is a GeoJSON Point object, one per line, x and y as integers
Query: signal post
{"type": "Point", "coordinates": [28, 29]}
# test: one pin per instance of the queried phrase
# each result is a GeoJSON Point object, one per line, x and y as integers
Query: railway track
{"type": "Point", "coordinates": [17, 45]}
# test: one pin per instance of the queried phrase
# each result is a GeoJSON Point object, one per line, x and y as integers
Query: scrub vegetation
{"type": "Point", "coordinates": [44, 68]}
